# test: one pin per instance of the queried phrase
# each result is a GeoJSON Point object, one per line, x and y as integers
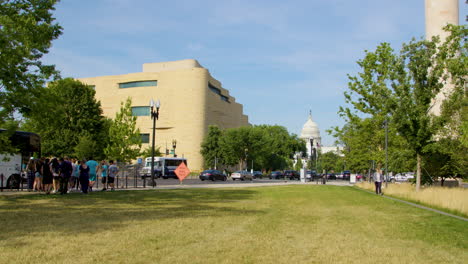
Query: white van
{"type": "Point", "coordinates": [163, 167]}
{"type": "Point", "coordinates": [10, 171]}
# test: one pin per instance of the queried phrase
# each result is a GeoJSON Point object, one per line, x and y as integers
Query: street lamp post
{"type": "Point", "coordinates": [313, 154]}
{"type": "Point", "coordinates": [386, 153]}
{"type": "Point", "coordinates": [246, 156]}
{"type": "Point", "coordinates": [174, 145]}
{"type": "Point", "coordinates": [154, 116]}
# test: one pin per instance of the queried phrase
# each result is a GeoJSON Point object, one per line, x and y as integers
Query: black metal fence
{"type": "Point", "coordinates": [129, 177]}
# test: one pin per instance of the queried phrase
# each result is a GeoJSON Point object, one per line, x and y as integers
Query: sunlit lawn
{"type": "Point", "coordinates": [284, 224]}
{"type": "Point", "coordinates": [452, 200]}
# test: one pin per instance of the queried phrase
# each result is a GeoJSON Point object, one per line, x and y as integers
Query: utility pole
{"type": "Point", "coordinates": [386, 153]}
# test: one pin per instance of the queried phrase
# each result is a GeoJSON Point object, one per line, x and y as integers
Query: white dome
{"type": "Point", "coordinates": [310, 129]}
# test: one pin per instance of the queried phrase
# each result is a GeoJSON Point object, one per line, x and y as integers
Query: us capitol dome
{"type": "Point", "coordinates": [310, 132]}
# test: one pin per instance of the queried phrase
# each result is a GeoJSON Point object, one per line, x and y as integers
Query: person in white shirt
{"type": "Point", "coordinates": [378, 181]}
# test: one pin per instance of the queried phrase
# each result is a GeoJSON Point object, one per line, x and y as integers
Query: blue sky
{"type": "Point", "coordinates": [279, 59]}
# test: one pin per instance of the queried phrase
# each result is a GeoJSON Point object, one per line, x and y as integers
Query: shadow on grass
{"type": "Point", "coordinates": [97, 212]}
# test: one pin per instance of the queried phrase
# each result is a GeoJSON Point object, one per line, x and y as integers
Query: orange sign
{"type": "Point", "coordinates": [182, 171]}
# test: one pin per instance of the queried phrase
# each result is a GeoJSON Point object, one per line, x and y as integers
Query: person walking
{"type": "Point", "coordinates": [55, 169]}
{"type": "Point", "coordinates": [38, 176]}
{"type": "Point", "coordinates": [31, 169]}
{"type": "Point", "coordinates": [66, 170]}
{"type": "Point", "coordinates": [72, 182]}
{"type": "Point", "coordinates": [92, 164]}
{"type": "Point", "coordinates": [378, 181]}
{"type": "Point", "coordinates": [113, 172]}
{"type": "Point", "coordinates": [84, 177]}
{"type": "Point", "coordinates": [104, 168]}
{"type": "Point", "coordinates": [46, 176]}
{"type": "Point", "coordinates": [78, 165]}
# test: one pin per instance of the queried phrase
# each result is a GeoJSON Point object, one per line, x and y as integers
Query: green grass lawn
{"type": "Point", "coordinates": [283, 224]}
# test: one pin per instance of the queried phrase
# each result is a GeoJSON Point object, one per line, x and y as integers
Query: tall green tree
{"type": "Point", "coordinates": [124, 137]}
{"type": "Point", "coordinates": [363, 141]}
{"type": "Point", "coordinates": [278, 146]}
{"type": "Point", "coordinates": [404, 86]}
{"type": "Point", "coordinates": [416, 84]}
{"type": "Point", "coordinates": [69, 113]}
{"type": "Point", "coordinates": [238, 143]}
{"type": "Point", "coordinates": [27, 29]}
{"type": "Point", "coordinates": [210, 147]}
{"type": "Point", "coordinates": [270, 147]}
{"type": "Point", "coordinates": [330, 162]}
{"type": "Point", "coordinates": [451, 145]}
{"type": "Point", "coordinates": [86, 147]}
{"type": "Point", "coordinates": [147, 152]}
{"type": "Point", "coordinates": [369, 95]}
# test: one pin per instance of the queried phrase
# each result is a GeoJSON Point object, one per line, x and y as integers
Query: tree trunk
{"type": "Point", "coordinates": [418, 172]}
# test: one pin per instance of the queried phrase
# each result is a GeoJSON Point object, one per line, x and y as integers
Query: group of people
{"type": "Point", "coordinates": [59, 175]}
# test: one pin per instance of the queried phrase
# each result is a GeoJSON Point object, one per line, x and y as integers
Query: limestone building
{"type": "Point", "coordinates": [191, 100]}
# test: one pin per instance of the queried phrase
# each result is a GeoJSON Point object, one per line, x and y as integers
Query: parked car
{"type": "Point", "coordinates": [275, 175]}
{"type": "Point", "coordinates": [241, 175]}
{"type": "Point", "coordinates": [346, 175]}
{"type": "Point", "coordinates": [311, 175]}
{"type": "Point", "coordinates": [402, 177]}
{"type": "Point", "coordinates": [292, 175]}
{"type": "Point", "coordinates": [212, 175]}
{"type": "Point", "coordinates": [257, 174]}
{"type": "Point", "coordinates": [331, 176]}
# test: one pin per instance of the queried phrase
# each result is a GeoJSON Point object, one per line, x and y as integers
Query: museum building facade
{"type": "Point", "coordinates": [191, 100]}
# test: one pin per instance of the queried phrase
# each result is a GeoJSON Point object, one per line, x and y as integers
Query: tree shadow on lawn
{"type": "Point", "coordinates": [97, 212]}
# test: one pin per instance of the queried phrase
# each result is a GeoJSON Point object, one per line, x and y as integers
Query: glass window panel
{"type": "Point", "coordinates": [145, 138]}
{"type": "Point", "coordinates": [217, 91]}
{"type": "Point", "coordinates": [138, 84]}
{"type": "Point", "coordinates": [140, 111]}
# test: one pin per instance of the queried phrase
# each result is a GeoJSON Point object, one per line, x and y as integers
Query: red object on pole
{"type": "Point", "coordinates": [182, 171]}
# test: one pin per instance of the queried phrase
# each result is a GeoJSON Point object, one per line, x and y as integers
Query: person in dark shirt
{"type": "Point", "coordinates": [46, 176]}
{"type": "Point", "coordinates": [65, 174]}
{"type": "Point", "coordinates": [84, 177]}
{"type": "Point", "coordinates": [55, 169]}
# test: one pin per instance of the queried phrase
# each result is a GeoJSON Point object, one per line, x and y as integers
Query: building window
{"type": "Point", "coordinates": [140, 110]}
{"type": "Point", "coordinates": [138, 84]}
{"type": "Point", "coordinates": [145, 138]}
{"type": "Point", "coordinates": [214, 89]}
{"type": "Point", "coordinates": [217, 91]}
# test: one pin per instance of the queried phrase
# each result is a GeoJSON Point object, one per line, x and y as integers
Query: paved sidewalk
{"type": "Point", "coordinates": [242, 185]}
{"type": "Point", "coordinates": [208, 185]}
